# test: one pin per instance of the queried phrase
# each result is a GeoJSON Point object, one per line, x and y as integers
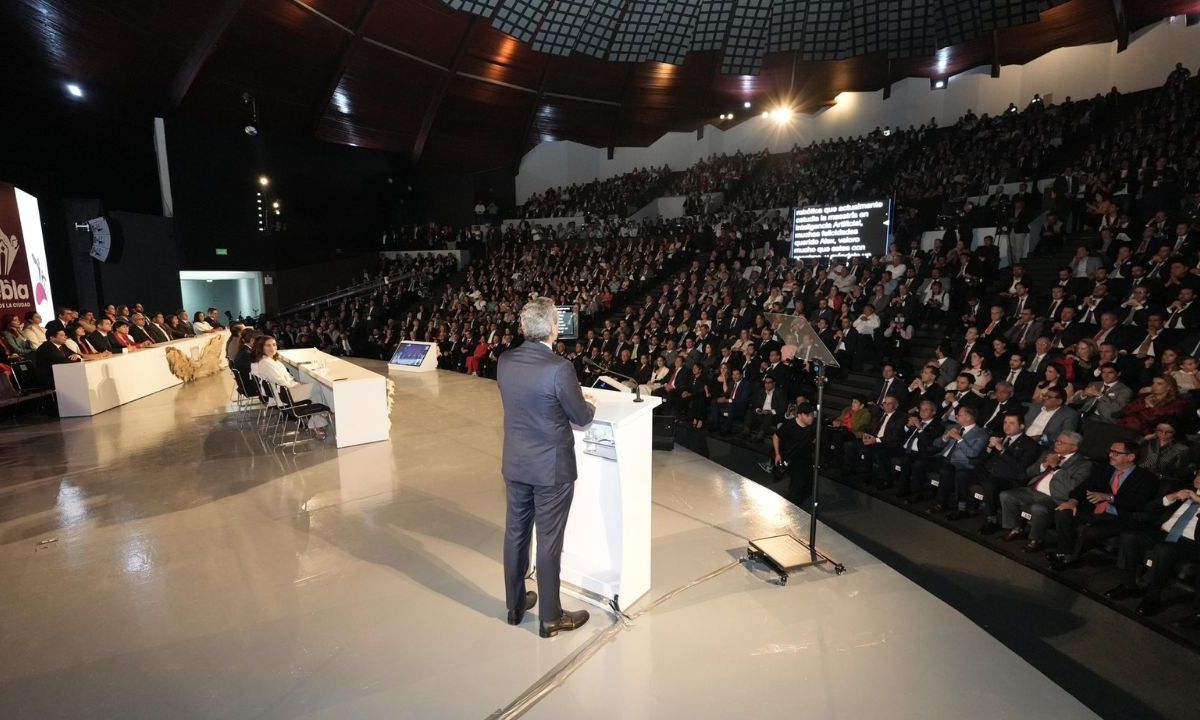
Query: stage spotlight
{"type": "Point", "coordinates": [766, 115]}
{"type": "Point", "coordinates": [251, 129]}
{"type": "Point", "coordinates": [264, 180]}
{"type": "Point", "coordinates": [939, 84]}
{"type": "Point", "coordinates": [275, 204]}
{"type": "Point", "coordinates": [74, 90]}
{"type": "Point", "coordinates": [730, 116]}
{"type": "Point", "coordinates": [746, 104]}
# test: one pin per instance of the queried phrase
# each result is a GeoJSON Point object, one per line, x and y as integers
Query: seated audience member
{"type": "Point", "coordinates": [677, 381]}
{"type": "Point", "coordinates": [1172, 542]}
{"type": "Point", "coordinates": [52, 352]}
{"type": "Point", "coordinates": [1104, 399]}
{"type": "Point", "coordinates": [891, 386]}
{"type": "Point", "coordinates": [234, 343]}
{"type": "Point", "coordinates": [925, 387]}
{"type": "Point", "coordinates": [14, 338]}
{"type": "Point", "coordinates": [766, 408]}
{"type": "Point", "coordinates": [214, 319]}
{"type": "Point", "coordinates": [139, 330]}
{"type": "Point", "coordinates": [871, 454]}
{"type": "Point", "coordinates": [78, 342]}
{"type": "Point", "coordinates": [244, 358]}
{"type": "Point", "coordinates": [978, 368]}
{"type": "Point", "coordinates": [178, 327]}
{"type": "Point", "coordinates": [1053, 377]}
{"type": "Point", "coordinates": [960, 448]}
{"type": "Point", "coordinates": [474, 361]}
{"type": "Point", "coordinates": [1044, 423]}
{"type": "Point", "coordinates": [1003, 467]}
{"type": "Point", "coordinates": [64, 318]}
{"type": "Point", "coordinates": [1041, 356]}
{"type": "Point", "coordinates": [1161, 402]}
{"type": "Point", "coordinates": [1051, 481]}
{"type": "Point", "coordinates": [658, 376]}
{"type": "Point", "coordinates": [1164, 456]}
{"type": "Point", "coordinates": [1104, 505]}
{"type": "Point", "coordinates": [121, 334]}
{"type": "Point", "coordinates": [201, 325]}
{"type": "Point", "coordinates": [33, 330]}
{"type": "Point", "coordinates": [850, 424]}
{"type": "Point", "coordinates": [729, 410]}
{"type": "Point", "coordinates": [945, 365]}
{"type": "Point", "coordinates": [919, 449]}
{"type": "Point", "coordinates": [102, 339]}
{"type": "Point", "coordinates": [991, 414]}
{"type": "Point", "coordinates": [266, 366]}
{"type": "Point", "coordinates": [157, 329]}
{"type": "Point", "coordinates": [700, 397]}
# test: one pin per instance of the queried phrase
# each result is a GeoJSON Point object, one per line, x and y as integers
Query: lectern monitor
{"type": "Point", "coordinates": [859, 228]}
{"type": "Point", "coordinates": [568, 323]}
{"type": "Point", "coordinates": [410, 354]}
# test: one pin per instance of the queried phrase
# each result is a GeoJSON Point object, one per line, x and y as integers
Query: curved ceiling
{"type": "Point", "coordinates": [448, 89]}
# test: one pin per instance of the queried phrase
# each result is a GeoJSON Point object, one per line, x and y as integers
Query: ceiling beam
{"type": "Point", "coordinates": [339, 69]}
{"type": "Point", "coordinates": [523, 142]}
{"type": "Point", "coordinates": [612, 130]}
{"type": "Point", "coordinates": [206, 42]}
{"type": "Point", "coordinates": [995, 54]}
{"type": "Point", "coordinates": [435, 104]}
{"type": "Point", "coordinates": [1120, 26]}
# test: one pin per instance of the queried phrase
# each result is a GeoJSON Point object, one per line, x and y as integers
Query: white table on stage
{"type": "Point", "coordinates": [93, 386]}
{"type": "Point", "coordinates": [606, 548]}
{"type": "Point", "coordinates": [359, 395]}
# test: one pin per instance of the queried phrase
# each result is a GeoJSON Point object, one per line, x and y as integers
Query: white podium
{"type": "Point", "coordinates": [606, 549]}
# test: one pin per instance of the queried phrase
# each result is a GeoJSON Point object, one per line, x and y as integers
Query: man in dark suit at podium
{"type": "Point", "coordinates": [542, 399]}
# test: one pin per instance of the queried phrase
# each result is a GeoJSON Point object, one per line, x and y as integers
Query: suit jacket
{"type": "Point", "coordinates": [1012, 462]}
{"type": "Point", "coordinates": [45, 358]}
{"type": "Point", "coordinates": [897, 390]}
{"type": "Point", "coordinates": [926, 438]}
{"type": "Point", "coordinates": [895, 431]}
{"type": "Point", "coordinates": [542, 399]}
{"type": "Point", "coordinates": [105, 342]}
{"type": "Point", "coordinates": [157, 334]}
{"type": "Point", "coordinates": [1062, 420]}
{"type": "Point", "coordinates": [1106, 406]}
{"type": "Point", "coordinates": [966, 452]}
{"type": "Point", "coordinates": [1139, 489]}
{"type": "Point", "coordinates": [1070, 475]}
{"type": "Point", "coordinates": [947, 372]}
{"type": "Point", "coordinates": [993, 421]}
{"type": "Point", "coordinates": [779, 401]}
{"type": "Point", "coordinates": [140, 335]}
{"type": "Point", "coordinates": [1017, 332]}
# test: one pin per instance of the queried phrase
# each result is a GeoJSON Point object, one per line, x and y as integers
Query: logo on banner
{"type": "Point", "coordinates": [9, 289]}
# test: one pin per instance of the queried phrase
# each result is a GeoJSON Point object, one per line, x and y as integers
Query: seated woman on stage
{"type": "Point", "coordinates": [266, 366]}
{"type": "Point", "coordinates": [200, 324]}
{"type": "Point", "coordinates": [14, 338]}
{"type": "Point", "coordinates": [77, 341]}
{"type": "Point", "coordinates": [125, 340]}
{"type": "Point", "coordinates": [34, 332]}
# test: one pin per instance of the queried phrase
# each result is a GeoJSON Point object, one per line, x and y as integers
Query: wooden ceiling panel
{"type": "Point", "coordinates": [583, 76]}
{"type": "Point", "coordinates": [559, 118]}
{"type": "Point", "coordinates": [461, 139]}
{"type": "Point", "coordinates": [491, 54]}
{"type": "Point", "coordinates": [1076, 23]}
{"type": "Point", "coordinates": [343, 12]}
{"type": "Point", "coordinates": [425, 28]}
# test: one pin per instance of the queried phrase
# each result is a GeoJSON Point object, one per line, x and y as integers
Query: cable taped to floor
{"type": "Point", "coordinates": [558, 675]}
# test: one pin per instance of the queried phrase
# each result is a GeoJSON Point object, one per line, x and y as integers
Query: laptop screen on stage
{"type": "Point", "coordinates": [411, 354]}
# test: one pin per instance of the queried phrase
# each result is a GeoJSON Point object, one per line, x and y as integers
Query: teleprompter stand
{"type": "Point", "coordinates": [783, 553]}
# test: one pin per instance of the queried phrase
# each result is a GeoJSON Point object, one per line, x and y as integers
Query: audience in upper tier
{"type": "Point", "coordinates": [616, 196]}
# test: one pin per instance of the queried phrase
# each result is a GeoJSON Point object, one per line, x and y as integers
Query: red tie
{"type": "Point", "coordinates": [1113, 486]}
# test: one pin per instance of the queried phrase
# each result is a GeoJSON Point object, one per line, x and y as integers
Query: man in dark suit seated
{"type": "Point", "coordinates": [891, 386]}
{"type": "Point", "coordinates": [50, 353]}
{"type": "Point", "coordinates": [961, 448]}
{"type": "Point", "coordinates": [1050, 482]}
{"type": "Point", "coordinates": [991, 414]}
{"type": "Point", "coordinates": [918, 454]}
{"type": "Point", "coordinates": [873, 453]}
{"type": "Point", "coordinates": [1003, 468]}
{"type": "Point", "coordinates": [542, 399]}
{"type": "Point", "coordinates": [102, 339]}
{"type": "Point", "coordinates": [1104, 505]}
{"type": "Point", "coordinates": [1174, 541]}
{"type": "Point", "coordinates": [766, 410]}
{"type": "Point", "coordinates": [730, 410]}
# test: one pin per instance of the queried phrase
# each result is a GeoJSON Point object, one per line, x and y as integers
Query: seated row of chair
{"type": "Point", "coordinates": [277, 408]}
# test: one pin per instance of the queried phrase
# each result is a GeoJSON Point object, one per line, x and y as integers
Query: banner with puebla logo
{"type": "Point", "coordinates": [24, 272]}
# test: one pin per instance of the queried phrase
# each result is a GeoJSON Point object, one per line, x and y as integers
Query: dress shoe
{"type": "Point", "coordinates": [1149, 606]}
{"type": "Point", "coordinates": [1032, 546]}
{"type": "Point", "coordinates": [1191, 622]}
{"type": "Point", "coordinates": [989, 528]}
{"type": "Point", "coordinates": [570, 620]}
{"type": "Point", "coordinates": [516, 616]}
{"type": "Point", "coordinates": [1014, 534]}
{"type": "Point", "coordinates": [1123, 592]}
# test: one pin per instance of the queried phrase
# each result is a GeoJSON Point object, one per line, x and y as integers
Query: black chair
{"type": "Point", "coordinates": [302, 411]}
{"type": "Point", "coordinates": [243, 395]}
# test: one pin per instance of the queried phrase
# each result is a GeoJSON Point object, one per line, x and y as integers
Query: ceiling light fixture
{"type": "Point", "coordinates": [74, 90]}
{"type": "Point", "coordinates": [264, 181]}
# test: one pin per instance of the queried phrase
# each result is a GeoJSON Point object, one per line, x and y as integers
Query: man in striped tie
{"type": "Point", "coordinates": [1172, 543]}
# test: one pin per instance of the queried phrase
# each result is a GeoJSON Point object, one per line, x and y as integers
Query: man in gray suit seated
{"type": "Point", "coordinates": [1103, 400]}
{"type": "Point", "coordinates": [1046, 422]}
{"type": "Point", "coordinates": [1051, 481]}
{"type": "Point", "coordinates": [542, 399]}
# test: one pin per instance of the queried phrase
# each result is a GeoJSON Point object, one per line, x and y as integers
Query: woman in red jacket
{"type": "Point", "coordinates": [1161, 403]}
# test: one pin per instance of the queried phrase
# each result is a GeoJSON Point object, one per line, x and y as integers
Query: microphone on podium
{"type": "Point", "coordinates": [637, 387]}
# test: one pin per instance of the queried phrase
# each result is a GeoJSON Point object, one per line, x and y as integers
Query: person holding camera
{"type": "Point", "coordinates": [794, 443]}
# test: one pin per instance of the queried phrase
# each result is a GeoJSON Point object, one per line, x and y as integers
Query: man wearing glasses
{"type": "Point", "coordinates": [1103, 506]}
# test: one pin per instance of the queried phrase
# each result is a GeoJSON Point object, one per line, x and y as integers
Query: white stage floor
{"type": "Point", "coordinates": [192, 574]}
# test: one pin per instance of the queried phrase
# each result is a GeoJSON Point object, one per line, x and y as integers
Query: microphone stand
{"type": "Point", "coordinates": [637, 387]}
